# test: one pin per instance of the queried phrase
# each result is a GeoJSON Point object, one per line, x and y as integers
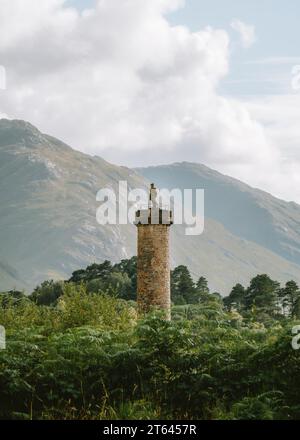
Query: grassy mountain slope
{"type": "Point", "coordinates": [48, 205]}
{"type": "Point", "coordinates": [10, 278]}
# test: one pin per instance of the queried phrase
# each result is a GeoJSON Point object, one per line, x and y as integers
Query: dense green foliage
{"type": "Point", "coordinates": [87, 355]}
{"type": "Point", "coordinates": [121, 280]}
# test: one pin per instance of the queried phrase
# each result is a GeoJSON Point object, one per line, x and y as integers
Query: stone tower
{"type": "Point", "coordinates": [153, 266]}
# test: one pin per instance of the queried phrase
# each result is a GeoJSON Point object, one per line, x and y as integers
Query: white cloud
{"type": "Point", "coordinates": [279, 115]}
{"type": "Point", "coordinates": [275, 61]}
{"type": "Point", "coordinates": [246, 32]}
{"type": "Point", "coordinates": [121, 82]}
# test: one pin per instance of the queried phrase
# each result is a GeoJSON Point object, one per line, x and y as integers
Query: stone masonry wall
{"type": "Point", "coordinates": [153, 283]}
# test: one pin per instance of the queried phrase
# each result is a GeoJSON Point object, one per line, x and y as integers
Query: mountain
{"type": "Point", "coordinates": [48, 205]}
{"type": "Point", "coordinates": [10, 278]}
{"type": "Point", "coordinates": [246, 212]}
{"type": "Point", "coordinates": [48, 222]}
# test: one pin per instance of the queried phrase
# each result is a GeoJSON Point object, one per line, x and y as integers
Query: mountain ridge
{"type": "Point", "coordinates": [227, 198]}
{"type": "Point", "coordinates": [216, 172]}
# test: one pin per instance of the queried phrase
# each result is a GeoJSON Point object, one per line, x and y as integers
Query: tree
{"type": "Point", "coordinates": [92, 272]}
{"type": "Point", "coordinates": [119, 279]}
{"type": "Point", "coordinates": [182, 286]}
{"type": "Point", "coordinates": [202, 292]}
{"type": "Point", "coordinates": [128, 268]}
{"type": "Point", "coordinates": [290, 299]}
{"type": "Point", "coordinates": [262, 295]}
{"type": "Point", "coordinates": [116, 284]}
{"type": "Point", "coordinates": [202, 285]}
{"type": "Point", "coordinates": [47, 293]}
{"type": "Point", "coordinates": [236, 298]}
{"type": "Point", "coordinates": [12, 297]}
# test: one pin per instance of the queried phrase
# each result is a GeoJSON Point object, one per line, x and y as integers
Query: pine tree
{"type": "Point", "coordinates": [262, 295]}
{"type": "Point", "coordinates": [182, 286]}
{"type": "Point", "coordinates": [236, 299]}
{"type": "Point", "coordinates": [202, 293]}
{"type": "Point", "coordinates": [290, 299]}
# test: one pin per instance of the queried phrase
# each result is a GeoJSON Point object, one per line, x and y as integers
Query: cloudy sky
{"type": "Point", "coordinates": [143, 82]}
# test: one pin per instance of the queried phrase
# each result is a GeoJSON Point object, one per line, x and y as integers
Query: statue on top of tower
{"type": "Point", "coordinates": [153, 196]}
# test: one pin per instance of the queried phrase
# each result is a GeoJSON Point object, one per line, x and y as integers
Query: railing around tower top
{"type": "Point", "coordinates": [162, 206]}
{"type": "Point", "coordinates": [154, 216]}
